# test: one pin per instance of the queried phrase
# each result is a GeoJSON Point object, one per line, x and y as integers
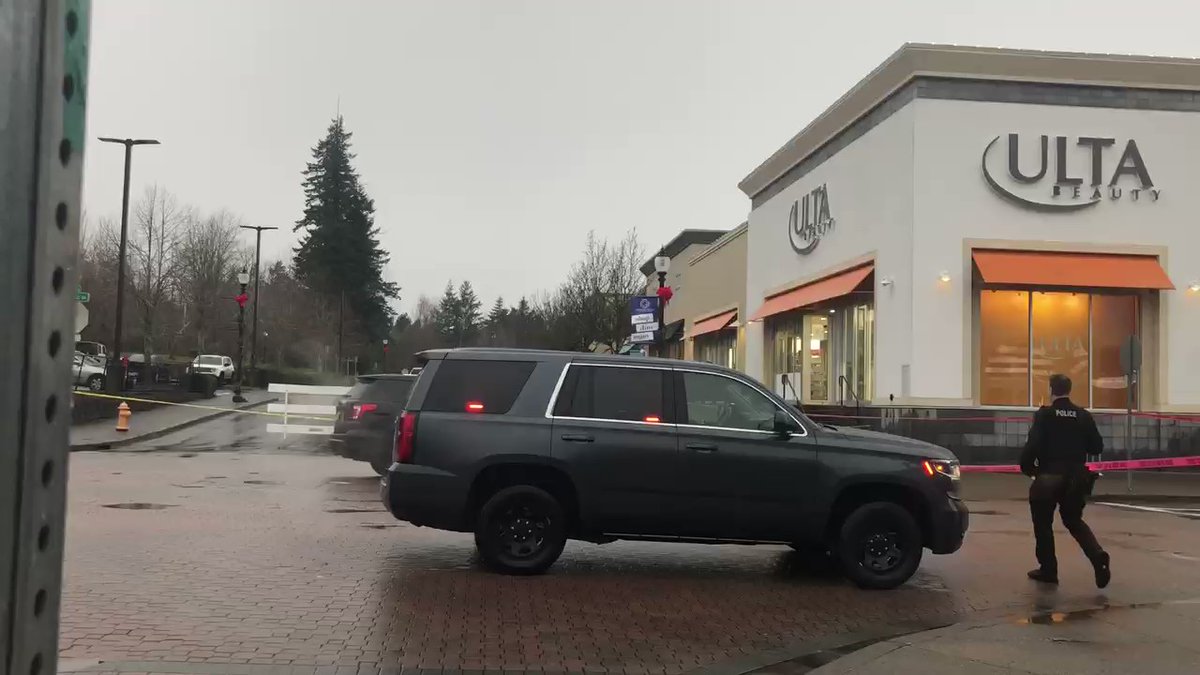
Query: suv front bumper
{"type": "Point", "coordinates": [949, 525]}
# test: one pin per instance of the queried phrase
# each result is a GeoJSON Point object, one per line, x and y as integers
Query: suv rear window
{"type": "Point", "coordinates": [493, 386]}
{"type": "Point", "coordinates": [395, 391]}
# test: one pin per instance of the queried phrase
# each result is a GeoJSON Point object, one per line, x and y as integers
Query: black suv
{"type": "Point", "coordinates": [365, 428]}
{"type": "Point", "coordinates": [528, 449]}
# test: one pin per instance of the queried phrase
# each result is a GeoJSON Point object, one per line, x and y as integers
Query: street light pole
{"type": "Point", "coordinates": [258, 230]}
{"type": "Point", "coordinates": [662, 264]}
{"type": "Point", "coordinates": [243, 279]}
{"type": "Point", "coordinates": [114, 377]}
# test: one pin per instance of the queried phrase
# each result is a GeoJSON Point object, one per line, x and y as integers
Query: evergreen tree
{"type": "Point", "coordinates": [339, 252]}
{"type": "Point", "coordinates": [469, 315]}
{"type": "Point", "coordinates": [449, 316]}
{"type": "Point", "coordinates": [495, 323]}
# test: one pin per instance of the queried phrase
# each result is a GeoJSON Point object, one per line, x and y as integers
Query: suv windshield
{"type": "Point", "coordinates": [209, 360]}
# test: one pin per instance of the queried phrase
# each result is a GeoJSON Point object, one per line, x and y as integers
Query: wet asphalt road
{"type": "Point", "coordinates": [222, 546]}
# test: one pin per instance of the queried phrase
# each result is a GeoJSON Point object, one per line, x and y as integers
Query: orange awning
{"type": "Point", "coordinates": [1076, 270]}
{"type": "Point", "coordinates": [713, 323]}
{"type": "Point", "coordinates": [835, 286]}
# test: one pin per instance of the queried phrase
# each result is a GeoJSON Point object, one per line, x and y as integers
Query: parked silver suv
{"type": "Point", "coordinates": [527, 449]}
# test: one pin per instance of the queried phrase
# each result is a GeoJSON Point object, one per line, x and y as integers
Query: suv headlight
{"type": "Point", "coordinates": [941, 467]}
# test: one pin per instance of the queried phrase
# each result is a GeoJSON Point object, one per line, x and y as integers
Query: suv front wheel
{"type": "Point", "coordinates": [521, 530]}
{"type": "Point", "coordinates": [879, 545]}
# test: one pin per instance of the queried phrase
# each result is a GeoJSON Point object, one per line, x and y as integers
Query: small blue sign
{"type": "Point", "coordinates": [643, 304]}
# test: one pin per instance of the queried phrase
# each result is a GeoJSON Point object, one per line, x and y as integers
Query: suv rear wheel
{"type": "Point", "coordinates": [521, 530]}
{"type": "Point", "coordinates": [879, 545]}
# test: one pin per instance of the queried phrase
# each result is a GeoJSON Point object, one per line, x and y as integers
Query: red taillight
{"type": "Point", "coordinates": [360, 409]}
{"type": "Point", "coordinates": [405, 437]}
{"type": "Point", "coordinates": [652, 419]}
{"type": "Point", "coordinates": [474, 407]}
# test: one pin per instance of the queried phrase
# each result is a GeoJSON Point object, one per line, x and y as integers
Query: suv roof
{"type": "Point", "coordinates": [386, 376]}
{"type": "Point", "coordinates": [564, 356]}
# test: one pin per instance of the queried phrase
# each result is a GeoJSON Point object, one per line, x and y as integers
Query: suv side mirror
{"type": "Point", "coordinates": [784, 426]}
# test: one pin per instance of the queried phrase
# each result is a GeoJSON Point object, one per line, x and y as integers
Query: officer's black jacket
{"type": "Point", "coordinates": [1060, 440]}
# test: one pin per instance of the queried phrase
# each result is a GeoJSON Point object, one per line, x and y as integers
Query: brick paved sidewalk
{"type": "Point", "coordinates": [269, 560]}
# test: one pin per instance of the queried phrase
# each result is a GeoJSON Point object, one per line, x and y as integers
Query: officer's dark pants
{"type": "Point", "coordinates": [1045, 494]}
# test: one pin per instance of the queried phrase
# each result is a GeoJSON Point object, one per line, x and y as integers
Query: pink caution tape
{"type": "Point", "coordinates": [1164, 463]}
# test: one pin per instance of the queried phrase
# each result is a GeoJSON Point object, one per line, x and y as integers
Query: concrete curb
{"type": "Point", "coordinates": [151, 435]}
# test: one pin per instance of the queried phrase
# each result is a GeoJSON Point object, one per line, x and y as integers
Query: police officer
{"type": "Point", "coordinates": [1060, 440]}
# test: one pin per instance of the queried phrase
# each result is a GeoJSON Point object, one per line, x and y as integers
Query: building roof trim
{"type": "Point", "coordinates": [916, 60]}
{"type": "Point", "coordinates": [720, 243]}
{"type": "Point", "coordinates": [684, 239]}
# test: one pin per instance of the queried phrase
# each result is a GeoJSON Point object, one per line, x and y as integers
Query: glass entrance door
{"type": "Point", "coordinates": [817, 358]}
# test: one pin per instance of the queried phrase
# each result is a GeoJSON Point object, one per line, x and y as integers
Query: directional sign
{"type": "Point", "coordinates": [83, 296]}
{"type": "Point", "coordinates": [642, 318]}
{"type": "Point", "coordinates": [81, 317]}
{"type": "Point", "coordinates": [642, 337]}
{"type": "Point", "coordinates": [645, 327]}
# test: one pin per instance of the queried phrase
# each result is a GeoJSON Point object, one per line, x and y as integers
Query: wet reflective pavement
{"type": "Point", "coordinates": [249, 553]}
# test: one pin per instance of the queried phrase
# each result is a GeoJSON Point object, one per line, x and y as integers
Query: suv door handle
{"type": "Point", "coordinates": [577, 438]}
{"type": "Point", "coordinates": [702, 447]}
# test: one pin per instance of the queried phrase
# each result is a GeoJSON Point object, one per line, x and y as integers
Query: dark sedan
{"type": "Point", "coordinates": [366, 418]}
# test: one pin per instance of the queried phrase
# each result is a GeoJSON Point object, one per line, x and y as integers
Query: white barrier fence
{"type": "Point", "coordinates": [303, 409]}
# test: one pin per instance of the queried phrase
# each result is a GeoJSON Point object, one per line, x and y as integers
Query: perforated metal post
{"type": "Point", "coordinates": [43, 80]}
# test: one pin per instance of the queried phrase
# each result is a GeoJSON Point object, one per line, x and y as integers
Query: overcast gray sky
{"type": "Point", "coordinates": [494, 134]}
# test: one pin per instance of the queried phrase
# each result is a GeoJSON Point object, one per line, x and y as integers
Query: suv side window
{"type": "Point", "coordinates": [723, 402]}
{"type": "Point", "coordinates": [493, 386]}
{"type": "Point", "coordinates": [614, 393]}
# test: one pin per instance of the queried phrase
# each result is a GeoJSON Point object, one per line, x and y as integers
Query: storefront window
{"type": "Point", "coordinates": [719, 347]}
{"type": "Point", "coordinates": [1004, 348]}
{"type": "Point", "coordinates": [1025, 337]}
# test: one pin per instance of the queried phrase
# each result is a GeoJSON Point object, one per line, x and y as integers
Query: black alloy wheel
{"type": "Point", "coordinates": [880, 545]}
{"type": "Point", "coordinates": [521, 530]}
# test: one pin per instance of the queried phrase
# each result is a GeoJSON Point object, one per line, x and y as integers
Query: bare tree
{"type": "Point", "coordinates": [154, 259]}
{"type": "Point", "coordinates": [209, 259]}
{"type": "Point", "coordinates": [98, 275]}
{"type": "Point", "coordinates": [591, 308]}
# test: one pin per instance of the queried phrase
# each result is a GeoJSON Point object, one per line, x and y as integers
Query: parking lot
{"type": "Point", "coordinates": [224, 549]}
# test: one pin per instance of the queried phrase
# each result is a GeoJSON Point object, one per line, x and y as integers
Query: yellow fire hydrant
{"type": "Point", "coordinates": [123, 415]}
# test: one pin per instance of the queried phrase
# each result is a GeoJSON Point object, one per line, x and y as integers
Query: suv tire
{"type": "Point", "coordinates": [521, 530]}
{"type": "Point", "coordinates": [95, 383]}
{"type": "Point", "coordinates": [879, 545]}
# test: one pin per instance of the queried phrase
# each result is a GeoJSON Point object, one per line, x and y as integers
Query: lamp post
{"type": "Point", "coordinates": [662, 264]}
{"type": "Point", "coordinates": [243, 278]}
{"type": "Point", "coordinates": [258, 230]}
{"type": "Point", "coordinates": [115, 377]}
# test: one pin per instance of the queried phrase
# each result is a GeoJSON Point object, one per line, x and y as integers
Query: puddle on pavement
{"type": "Point", "coordinates": [261, 482]}
{"type": "Point", "coordinates": [380, 526]}
{"type": "Point", "coordinates": [353, 510]}
{"type": "Point", "coordinates": [187, 455]}
{"type": "Point", "coordinates": [191, 486]}
{"type": "Point", "coordinates": [139, 506]}
{"type": "Point", "coordinates": [1052, 618]}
